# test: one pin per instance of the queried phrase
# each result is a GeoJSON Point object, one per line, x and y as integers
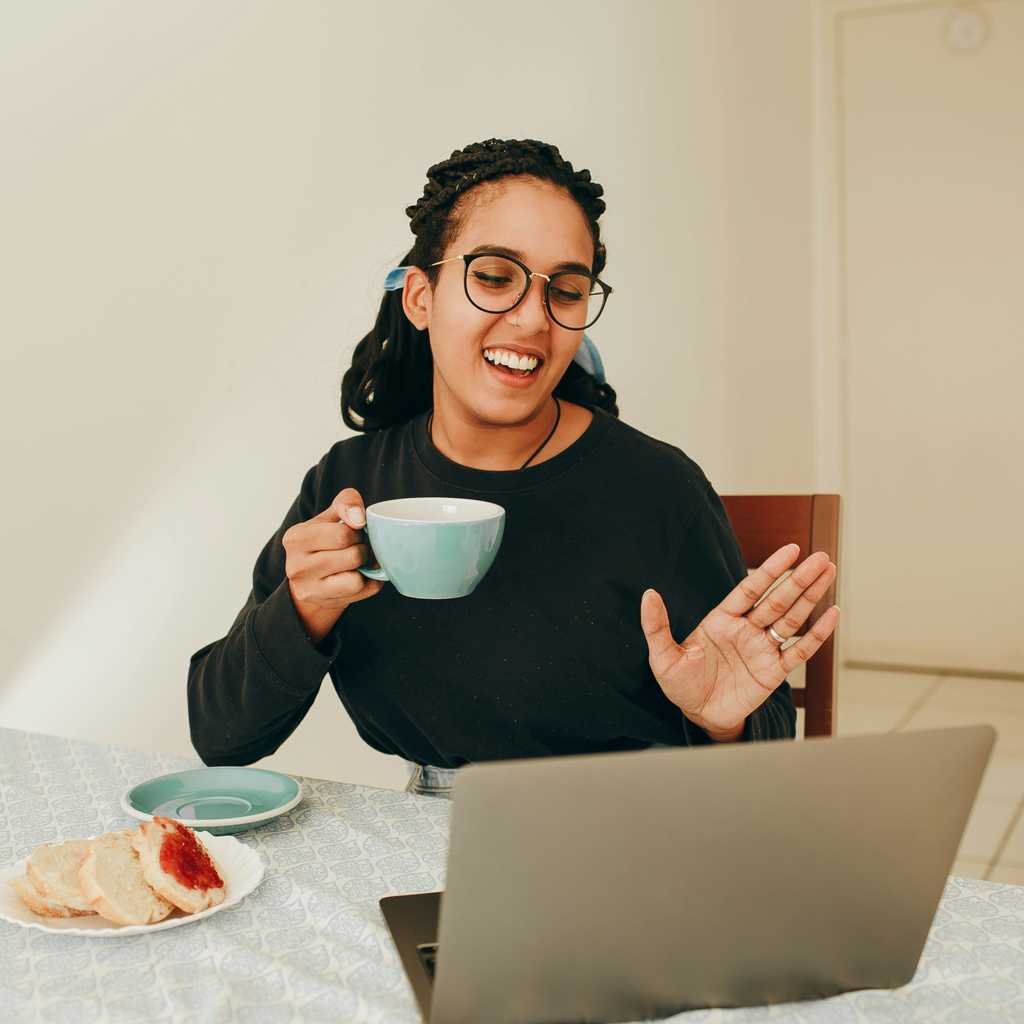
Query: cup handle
{"type": "Point", "coordinates": [373, 574]}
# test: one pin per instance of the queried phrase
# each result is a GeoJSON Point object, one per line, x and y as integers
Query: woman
{"type": "Point", "coordinates": [472, 383]}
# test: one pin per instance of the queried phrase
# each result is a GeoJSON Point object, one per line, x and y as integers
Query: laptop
{"type": "Point", "coordinates": [635, 885]}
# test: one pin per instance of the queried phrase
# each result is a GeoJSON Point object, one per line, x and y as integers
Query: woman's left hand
{"type": "Point", "coordinates": [730, 665]}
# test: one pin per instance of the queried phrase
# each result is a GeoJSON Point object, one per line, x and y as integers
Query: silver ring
{"type": "Point", "coordinates": [775, 636]}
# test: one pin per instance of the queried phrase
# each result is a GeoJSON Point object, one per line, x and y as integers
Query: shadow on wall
{"type": "Point", "coordinates": [155, 560]}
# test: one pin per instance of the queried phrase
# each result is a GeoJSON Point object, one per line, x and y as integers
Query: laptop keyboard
{"type": "Point", "coordinates": [428, 957]}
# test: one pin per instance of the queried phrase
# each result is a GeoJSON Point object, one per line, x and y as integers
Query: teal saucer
{"type": "Point", "coordinates": [218, 800]}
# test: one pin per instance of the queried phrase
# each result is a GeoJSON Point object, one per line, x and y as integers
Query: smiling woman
{"type": "Point", "coordinates": [452, 340]}
{"type": "Point", "coordinates": [567, 645]}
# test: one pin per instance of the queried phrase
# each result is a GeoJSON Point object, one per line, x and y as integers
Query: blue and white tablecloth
{"type": "Point", "coordinates": [310, 944]}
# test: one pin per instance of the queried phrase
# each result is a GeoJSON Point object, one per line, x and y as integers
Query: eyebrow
{"type": "Point", "coordinates": [504, 250]}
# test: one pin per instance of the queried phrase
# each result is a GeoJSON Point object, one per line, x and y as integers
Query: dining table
{"type": "Point", "coordinates": [309, 943]}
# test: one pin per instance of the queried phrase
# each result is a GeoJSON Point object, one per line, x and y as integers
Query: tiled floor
{"type": "Point", "coordinates": [993, 843]}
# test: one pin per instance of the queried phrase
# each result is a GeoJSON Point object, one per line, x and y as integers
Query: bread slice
{"type": "Point", "coordinates": [53, 871]}
{"type": "Point", "coordinates": [112, 882]}
{"type": "Point", "coordinates": [39, 904]}
{"type": "Point", "coordinates": [177, 865]}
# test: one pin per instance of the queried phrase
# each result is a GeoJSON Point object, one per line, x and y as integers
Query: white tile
{"type": "Point", "coordinates": [1013, 853]}
{"type": "Point", "coordinates": [986, 827]}
{"type": "Point", "coordinates": [1009, 873]}
{"type": "Point", "coordinates": [863, 686]}
{"type": "Point", "coordinates": [1008, 725]}
{"type": "Point", "coordinates": [958, 692]}
{"type": "Point", "coordinates": [1003, 778]}
{"type": "Point", "coordinates": [969, 868]}
{"type": "Point", "coordinates": [857, 719]}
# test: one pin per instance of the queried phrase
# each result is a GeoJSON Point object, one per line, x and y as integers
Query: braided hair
{"type": "Point", "coordinates": [391, 376]}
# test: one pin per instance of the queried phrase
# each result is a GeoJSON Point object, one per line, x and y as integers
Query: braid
{"type": "Point", "coordinates": [391, 376]}
{"type": "Point", "coordinates": [497, 158]}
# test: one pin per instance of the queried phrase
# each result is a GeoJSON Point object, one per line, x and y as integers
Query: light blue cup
{"type": "Point", "coordinates": [433, 547]}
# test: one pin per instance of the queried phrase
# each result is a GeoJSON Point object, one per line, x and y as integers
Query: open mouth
{"type": "Point", "coordinates": [512, 364]}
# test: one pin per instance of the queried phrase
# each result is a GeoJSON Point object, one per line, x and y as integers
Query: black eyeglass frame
{"type": "Point", "coordinates": [468, 258]}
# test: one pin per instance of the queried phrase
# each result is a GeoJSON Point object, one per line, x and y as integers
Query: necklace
{"type": "Point", "coordinates": [551, 434]}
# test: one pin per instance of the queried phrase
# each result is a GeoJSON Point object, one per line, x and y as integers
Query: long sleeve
{"type": "Point", "coordinates": [712, 564]}
{"type": "Point", "coordinates": [249, 690]}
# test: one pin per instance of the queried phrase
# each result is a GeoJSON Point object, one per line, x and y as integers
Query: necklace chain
{"type": "Point", "coordinates": [551, 433]}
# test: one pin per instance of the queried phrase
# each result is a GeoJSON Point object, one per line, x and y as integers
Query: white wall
{"type": "Point", "coordinates": [200, 202]}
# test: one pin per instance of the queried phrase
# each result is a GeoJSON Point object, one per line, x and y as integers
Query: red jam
{"type": "Point", "coordinates": [183, 857]}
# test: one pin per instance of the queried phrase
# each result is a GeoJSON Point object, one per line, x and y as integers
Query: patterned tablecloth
{"type": "Point", "coordinates": [310, 944]}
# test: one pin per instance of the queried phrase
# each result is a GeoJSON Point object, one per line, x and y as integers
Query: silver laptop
{"type": "Point", "coordinates": [636, 885]}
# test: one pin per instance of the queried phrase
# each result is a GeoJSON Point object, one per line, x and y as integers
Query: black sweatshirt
{"type": "Point", "coordinates": [545, 657]}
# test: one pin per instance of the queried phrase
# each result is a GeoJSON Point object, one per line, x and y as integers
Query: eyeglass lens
{"type": "Point", "coordinates": [495, 284]}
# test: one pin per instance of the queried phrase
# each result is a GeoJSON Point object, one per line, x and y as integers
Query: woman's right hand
{"type": "Point", "coordinates": [321, 563]}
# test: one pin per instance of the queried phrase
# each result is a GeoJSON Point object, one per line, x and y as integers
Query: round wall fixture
{"type": "Point", "coordinates": [967, 27]}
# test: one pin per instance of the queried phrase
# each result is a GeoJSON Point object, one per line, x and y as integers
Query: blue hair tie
{"type": "Point", "coordinates": [586, 355]}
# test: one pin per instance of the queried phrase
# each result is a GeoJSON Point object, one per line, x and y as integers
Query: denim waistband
{"type": "Point", "coordinates": [429, 780]}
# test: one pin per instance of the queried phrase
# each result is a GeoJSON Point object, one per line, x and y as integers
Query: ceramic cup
{"type": "Point", "coordinates": [433, 547]}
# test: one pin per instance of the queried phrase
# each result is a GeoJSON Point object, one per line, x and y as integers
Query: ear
{"type": "Point", "coordinates": [417, 298]}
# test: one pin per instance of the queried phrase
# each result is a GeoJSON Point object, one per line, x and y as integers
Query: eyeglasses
{"type": "Point", "coordinates": [499, 283]}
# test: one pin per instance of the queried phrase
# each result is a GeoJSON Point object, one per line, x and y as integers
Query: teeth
{"type": "Point", "coordinates": [502, 357]}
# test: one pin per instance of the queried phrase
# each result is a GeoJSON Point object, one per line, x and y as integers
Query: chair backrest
{"type": "Point", "coordinates": [763, 523]}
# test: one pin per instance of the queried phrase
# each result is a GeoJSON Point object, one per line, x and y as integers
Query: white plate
{"type": "Point", "coordinates": [241, 868]}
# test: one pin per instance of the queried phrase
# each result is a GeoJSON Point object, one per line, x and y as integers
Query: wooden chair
{"type": "Point", "coordinates": [763, 523]}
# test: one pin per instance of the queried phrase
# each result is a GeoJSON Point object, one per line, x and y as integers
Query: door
{"type": "Point", "coordinates": [930, 190]}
